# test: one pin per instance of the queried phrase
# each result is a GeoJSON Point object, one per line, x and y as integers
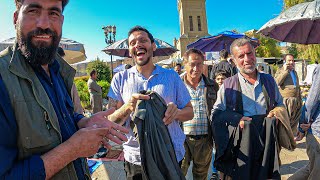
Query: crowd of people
{"type": "Point", "coordinates": [236, 116]}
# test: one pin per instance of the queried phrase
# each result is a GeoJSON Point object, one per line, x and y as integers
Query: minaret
{"type": "Point", "coordinates": [193, 22]}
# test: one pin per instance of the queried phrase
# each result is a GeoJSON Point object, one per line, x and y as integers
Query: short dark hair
{"type": "Point", "coordinates": [178, 64]}
{"type": "Point", "coordinates": [239, 43]}
{"type": "Point", "coordinates": [60, 51]}
{"type": "Point", "coordinates": [93, 72]}
{"type": "Point", "coordinates": [140, 28]}
{"type": "Point", "coordinates": [20, 2]}
{"type": "Point", "coordinates": [127, 66]}
{"type": "Point", "coordinates": [192, 51]}
{"type": "Point", "coordinates": [221, 73]}
{"type": "Point", "coordinates": [288, 54]}
{"type": "Point", "coordinates": [224, 54]}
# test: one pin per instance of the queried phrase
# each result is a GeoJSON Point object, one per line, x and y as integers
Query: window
{"type": "Point", "coordinates": [199, 23]}
{"type": "Point", "coordinates": [191, 23]}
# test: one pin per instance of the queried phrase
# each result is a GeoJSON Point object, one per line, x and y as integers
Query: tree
{"type": "Point", "coordinates": [268, 46]}
{"type": "Point", "coordinates": [311, 52]}
{"type": "Point", "coordinates": [102, 69]}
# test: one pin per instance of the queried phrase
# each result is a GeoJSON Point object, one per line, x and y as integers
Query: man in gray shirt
{"type": "Point", "coordinates": [252, 86]}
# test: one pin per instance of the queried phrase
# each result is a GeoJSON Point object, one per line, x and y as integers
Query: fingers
{"type": "Point", "coordinates": [305, 127]}
{"type": "Point", "coordinates": [106, 113]}
{"type": "Point", "coordinates": [120, 128]}
{"type": "Point", "coordinates": [244, 118]}
{"type": "Point", "coordinates": [270, 115]}
{"type": "Point", "coordinates": [170, 113]}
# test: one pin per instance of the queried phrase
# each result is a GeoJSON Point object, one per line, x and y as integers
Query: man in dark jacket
{"type": "Point", "coordinates": [203, 93]}
{"type": "Point", "coordinates": [251, 95]}
{"type": "Point", "coordinates": [41, 137]}
{"type": "Point", "coordinates": [223, 65]}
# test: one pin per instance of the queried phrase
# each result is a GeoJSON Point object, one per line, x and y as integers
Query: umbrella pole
{"type": "Point", "coordinates": [111, 67]}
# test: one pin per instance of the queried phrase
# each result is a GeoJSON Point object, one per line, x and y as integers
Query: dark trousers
{"type": "Point", "coordinates": [133, 172]}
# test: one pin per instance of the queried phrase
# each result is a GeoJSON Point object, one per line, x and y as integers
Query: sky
{"type": "Point", "coordinates": [84, 19]}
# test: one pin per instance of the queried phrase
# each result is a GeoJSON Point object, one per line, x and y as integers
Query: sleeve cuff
{"type": "Point", "coordinates": [77, 117]}
{"type": "Point", "coordinates": [37, 170]}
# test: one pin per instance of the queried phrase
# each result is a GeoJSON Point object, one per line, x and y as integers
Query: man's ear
{"type": "Point", "coordinates": [15, 17]}
{"type": "Point", "coordinates": [154, 47]}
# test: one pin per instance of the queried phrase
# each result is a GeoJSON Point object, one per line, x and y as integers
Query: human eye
{"type": "Point", "coordinates": [32, 11]}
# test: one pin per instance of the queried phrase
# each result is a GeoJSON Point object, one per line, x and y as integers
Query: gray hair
{"type": "Point", "coordinates": [238, 43]}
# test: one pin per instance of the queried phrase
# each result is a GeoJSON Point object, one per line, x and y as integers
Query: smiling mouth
{"type": "Point", "coordinates": [43, 37]}
{"type": "Point", "coordinates": [141, 52]}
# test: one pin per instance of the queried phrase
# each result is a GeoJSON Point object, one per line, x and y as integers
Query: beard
{"type": "Point", "coordinates": [142, 63]}
{"type": "Point", "coordinates": [40, 53]}
{"type": "Point", "coordinates": [247, 71]}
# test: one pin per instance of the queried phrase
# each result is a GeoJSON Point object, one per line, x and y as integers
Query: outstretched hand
{"type": "Point", "coordinates": [115, 131]}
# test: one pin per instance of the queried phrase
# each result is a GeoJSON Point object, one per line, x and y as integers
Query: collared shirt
{"type": "Point", "coordinates": [33, 167]}
{"type": "Point", "coordinates": [199, 124]}
{"type": "Point", "coordinates": [168, 85]}
{"type": "Point", "coordinates": [294, 78]}
{"type": "Point", "coordinates": [253, 99]}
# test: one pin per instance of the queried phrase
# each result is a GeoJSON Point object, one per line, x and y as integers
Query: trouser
{"type": "Point", "coordinates": [133, 172]}
{"type": "Point", "coordinates": [293, 106]}
{"type": "Point", "coordinates": [96, 103]}
{"type": "Point", "coordinates": [312, 170]}
{"type": "Point", "coordinates": [199, 150]}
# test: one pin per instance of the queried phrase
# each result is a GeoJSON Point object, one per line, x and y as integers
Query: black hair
{"type": "Point", "coordinates": [139, 28]}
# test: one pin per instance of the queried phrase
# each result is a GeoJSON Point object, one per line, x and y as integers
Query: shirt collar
{"type": "Point", "coordinates": [157, 70]}
{"type": "Point", "coordinates": [244, 80]}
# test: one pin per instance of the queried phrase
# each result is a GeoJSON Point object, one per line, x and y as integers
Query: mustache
{"type": "Point", "coordinates": [40, 31]}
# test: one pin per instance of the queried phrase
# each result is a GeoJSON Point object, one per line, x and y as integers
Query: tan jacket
{"type": "Point", "coordinates": [285, 83]}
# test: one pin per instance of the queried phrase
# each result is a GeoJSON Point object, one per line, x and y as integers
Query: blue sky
{"type": "Point", "coordinates": [85, 18]}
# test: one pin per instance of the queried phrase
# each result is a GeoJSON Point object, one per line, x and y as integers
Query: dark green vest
{"type": "Point", "coordinates": [38, 125]}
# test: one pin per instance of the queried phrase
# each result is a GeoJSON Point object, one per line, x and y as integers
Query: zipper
{"type": "Point", "coordinates": [46, 118]}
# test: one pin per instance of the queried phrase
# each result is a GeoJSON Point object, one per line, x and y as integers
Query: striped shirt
{"type": "Point", "coordinates": [199, 124]}
{"type": "Point", "coordinates": [168, 85]}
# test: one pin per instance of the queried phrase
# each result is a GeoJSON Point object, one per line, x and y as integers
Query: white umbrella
{"type": "Point", "coordinates": [298, 24]}
{"type": "Point", "coordinates": [74, 50]}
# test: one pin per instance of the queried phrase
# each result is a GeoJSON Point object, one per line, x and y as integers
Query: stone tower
{"type": "Point", "coordinates": [193, 22]}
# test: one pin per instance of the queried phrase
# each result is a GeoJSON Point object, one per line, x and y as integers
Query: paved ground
{"type": "Point", "coordinates": [291, 162]}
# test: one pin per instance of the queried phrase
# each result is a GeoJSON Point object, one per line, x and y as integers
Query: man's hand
{"type": "Point", "coordinates": [171, 113]}
{"type": "Point", "coordinates": [305, 127]}
{"type": "Point", "coordinates": [134, 99]}
{"type": "Point", "coordinates": [115, 131]}
{"type": "Point", "coordinates": [244, 118]}
{"type": "Point", "coordinates": [288, 67]}
{"type": "Point", "coordinates": [300, 136]}
{"type": "Point", "coordinates": [271, 114]}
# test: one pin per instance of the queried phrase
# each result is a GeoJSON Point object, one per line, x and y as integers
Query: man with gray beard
{"type": "Point", "coordinates": [41, 137]}
{"type": "Point", "coordinates": [244, 110]}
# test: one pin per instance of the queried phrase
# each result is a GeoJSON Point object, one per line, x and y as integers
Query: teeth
{"type": "Point", "coordinates": [46, 37]}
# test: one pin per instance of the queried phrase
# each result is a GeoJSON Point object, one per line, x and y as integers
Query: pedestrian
{"type": "Point", "coordinates": [309, 127]}
{"type": "Point", "coordinates": [124, 93]}
{"type": "Point", "coordinates": [243, 103]}
{"type": "Point", "coordinates": [177, 68]}
{"type": "Point", "coordinates": [288, 82]}
{"type": "Point", "coordinates": [95, 92]}
{"type": "Point", "coordinates": [222, 65]}
{"type": "Point", "coordinates": [203, 92]}
{"type": "Point", "coordinates": [220, 77]}
{"type": "Point", "coordinates": [41, 135]}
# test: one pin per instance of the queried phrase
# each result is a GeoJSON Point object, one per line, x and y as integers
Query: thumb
{"type": "Point", "coordinates": [107, 112]}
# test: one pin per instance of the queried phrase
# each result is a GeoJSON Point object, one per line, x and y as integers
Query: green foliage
{"type": "Point", "coordinates": [293, 50]}
{"type": "Point", "coordinates": [105, 88]}
{"type": "Point", "coordinates": [101, 67]}
{"type": "Point", "coordinates": [268, 46]}
{"type": "Point", "coordinates": [82, 87]}
{"type": "Point", "coordinates": [289, 3]}
{"type": "Point", "coordinates": [83, 92]}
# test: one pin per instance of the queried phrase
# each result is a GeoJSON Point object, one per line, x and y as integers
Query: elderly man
{"type": "Point", "coordinates": [288, 82]}
{"type": "Point", "coordinates": [203, 92]}
{"type": "Point", "coordinates": [242, 115]}
{"type": "Point", "coordinates": [40, 135]}
{"type": "Point", "coordinates": [124, 93]}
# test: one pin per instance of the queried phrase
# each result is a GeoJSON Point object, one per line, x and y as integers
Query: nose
{"type": "Point", "coordinates": [196, 68]}
{"type": "Point", "coordinates": [43, 21]}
